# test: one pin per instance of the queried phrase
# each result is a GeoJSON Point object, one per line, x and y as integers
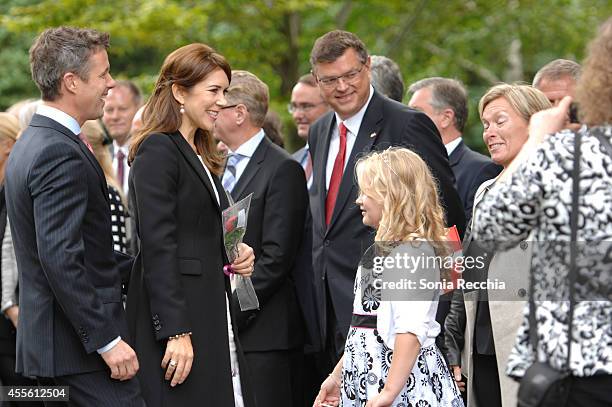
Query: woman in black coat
{"type": "Point", "coordinates": [177, 300]}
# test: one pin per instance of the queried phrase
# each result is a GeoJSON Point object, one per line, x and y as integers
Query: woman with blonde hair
{"type": "Point", "coordinates": [390, 356]}
{"type": "Point", "coordinates": [480, 327]}
{"type": "Point", "coordinates": [95, 135]}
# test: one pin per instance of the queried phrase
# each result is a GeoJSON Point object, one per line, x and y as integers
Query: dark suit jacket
{"type": "Point", "coordinates": [338, 249]}
{"type": "Point", "coordinates": [471, 169]}
{"type": "Point", "coordinates": [70, 287]}
{"type": "Point", "coordinates": [275, 230]}
{"type": "Point", "coordinates": [177, 284]}
{"type": "Point", "coordinates": [7, 330]}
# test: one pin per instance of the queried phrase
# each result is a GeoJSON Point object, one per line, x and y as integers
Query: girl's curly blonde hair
{"type": "Point", "coordinates": [401, 181]}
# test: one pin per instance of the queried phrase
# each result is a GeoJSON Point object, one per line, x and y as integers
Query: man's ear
{"type": "Point", "coordinates": [178, 93]}
{"type": "Point", "coordinates": [70, 81]}
{"type": "Point", "coordinates": [242, 114]}
{"type": "Point", "coordinates": [448, 118]}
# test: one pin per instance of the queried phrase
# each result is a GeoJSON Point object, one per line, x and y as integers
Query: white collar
{"type": "Point", "coordinates": [125, 148]}
{"type": "Point", "coordinates": [247, 149]}
{"type": "Point", "coordinates": [59, 116]}
{"type": "Point", "coordinates": [450, 147]}
{"type": "Point", "coordinates": [353, 123]}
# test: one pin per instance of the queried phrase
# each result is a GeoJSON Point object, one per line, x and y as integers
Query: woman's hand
{"type": "Point", "coordinates": [329, 395]}
{"type": "Point", "coordinates": [382, 399]}
{"type": "Point", "coordinates": [549, 121]}
{"type": "Point", "coordinates": [178, 359]}
{"type": "Point", "coordinates": [245, 262]}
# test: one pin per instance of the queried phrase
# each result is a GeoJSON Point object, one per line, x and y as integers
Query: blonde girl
{"type": "Point", "coordinates": [390, 356]}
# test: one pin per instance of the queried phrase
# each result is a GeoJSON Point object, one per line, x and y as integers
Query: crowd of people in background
{"type": "Point", "coordinates": [112, 260]}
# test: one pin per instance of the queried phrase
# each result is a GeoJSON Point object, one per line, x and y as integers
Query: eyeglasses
{"type": "Point", "coordinates": [304, 107]}
{"type": "Point", "coordinates": [228, 106]}
{"type": "Point", "coordinates": [349, 77]}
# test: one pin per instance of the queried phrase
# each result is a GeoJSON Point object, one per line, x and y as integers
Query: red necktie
{"type": "Point", "coordinates": [84, 140]}
{"type": "Point", "coordinates": [308, 166]}
{"type": "Point", "coordinates": [336, 177]}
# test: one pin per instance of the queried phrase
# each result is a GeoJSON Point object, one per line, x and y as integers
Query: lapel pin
{"type": "Point", "coordinates": [372, 135]}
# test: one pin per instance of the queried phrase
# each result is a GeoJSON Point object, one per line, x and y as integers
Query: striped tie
{"type": "Point", "coordinates": [229, 176]}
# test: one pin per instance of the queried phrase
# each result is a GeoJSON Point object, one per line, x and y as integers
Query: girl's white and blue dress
{"type": "Point", "coordinates": [369, 349]}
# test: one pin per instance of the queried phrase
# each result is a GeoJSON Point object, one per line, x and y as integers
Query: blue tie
{"type": "Point", "coordinates": [229, 177]}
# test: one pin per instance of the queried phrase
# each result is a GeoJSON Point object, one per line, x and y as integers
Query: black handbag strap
{"type": "Point", "coordinates": [573, 272]}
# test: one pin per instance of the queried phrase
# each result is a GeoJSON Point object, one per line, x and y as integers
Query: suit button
{"type": "Point", "coordinates": [524, 245]}
{"type": "Point", "coordinates": [156, 322]}
{"type": "Point", "coordinates": [158, 327]}
{"type": "Point", "coordinates": [326, 243]}
{"type": "Point", "coordinates": [522, 292]}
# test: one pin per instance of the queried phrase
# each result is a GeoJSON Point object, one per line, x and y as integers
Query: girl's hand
{"type": "Point", "coordinates": [329, 395]}
{"type": "Point", "coordinates": [245, 262]}
{"type": "Point", "coordinates": [382, 399]}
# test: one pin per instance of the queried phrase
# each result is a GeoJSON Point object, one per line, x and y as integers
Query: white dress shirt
{"type": "Point", "coordinates": [126, 168]}
{"type": "Point", "coordinates": [352, 124]}
{"type": "Point", "coordinates": [450, 147]}
{"type": "Point", "coordinates": [246, 150]}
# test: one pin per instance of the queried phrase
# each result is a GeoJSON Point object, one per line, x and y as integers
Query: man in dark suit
{"type": "Point", "coordinates": [445, 102]}
{"type": "Point", "coordinates": [271, 337]}
{"type": "Point", "coordinates": [71, 320]}
{"type": "Point", "coordinates": [361, 120]}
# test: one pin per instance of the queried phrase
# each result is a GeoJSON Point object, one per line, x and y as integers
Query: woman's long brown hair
{"type": "Point", "coordinates": [185, 67]}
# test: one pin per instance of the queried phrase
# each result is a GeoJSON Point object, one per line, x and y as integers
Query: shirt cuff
{"type": "Point", "coordinates": [109, 346]}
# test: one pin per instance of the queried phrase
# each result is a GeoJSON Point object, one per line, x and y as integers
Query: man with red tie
{"type": "Point", "coordinates": [306, 106]}
{"type": "Point", "coordinates": [361, 120]}
{"type": "Point", "coordinates": [122, 103]}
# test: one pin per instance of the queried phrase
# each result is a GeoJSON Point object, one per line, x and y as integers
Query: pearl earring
{"type": "Point", "coordinates": [182, 109]}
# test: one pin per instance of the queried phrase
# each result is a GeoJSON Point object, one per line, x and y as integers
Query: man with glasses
{"type": "Point", "coordinates": [361, 120]}
{"type": "Point", "coordinates": [306, 107]}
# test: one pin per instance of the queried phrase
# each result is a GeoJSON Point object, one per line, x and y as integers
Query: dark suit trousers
{"type": "Point", "coordinates": [486, 380]}
{"type": "Point", "coordinates": [276, 377]}
{"type": "Point", "coordinates": [96, 389]}
{"type": "Point", "coordinates": [10, 378]}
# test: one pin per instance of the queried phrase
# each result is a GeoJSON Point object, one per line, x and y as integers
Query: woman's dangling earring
{"type": "Point", "coordinates": [182, 109]}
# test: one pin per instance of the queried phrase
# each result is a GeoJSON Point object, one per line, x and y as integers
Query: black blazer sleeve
{"type": "Point", "coordinates": [59, 194]}
{"type": "Point", "coordinates": [425, 140]}
{"type": "Point", "coordinates": [155, 173]}
{"type": "Point", "coordinates": [454, 329]}
{"type": "Point", "coordinates": [282, 229]}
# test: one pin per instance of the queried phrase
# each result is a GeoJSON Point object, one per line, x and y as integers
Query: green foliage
{"type": "Point", "coordinates": [477, 41]}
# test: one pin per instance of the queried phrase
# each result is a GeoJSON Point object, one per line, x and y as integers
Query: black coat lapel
{"type": "Point", "coordinates": [196, 164]}
{"type": "Point", "coordinates": [251, 169]}
{"type": "Point", "coordinates": [368, 134]}
{"type": "Point", "coordinates": [44, 121]}
{"type": "Point", "coordinates": [321, 158]}
{"type": "Point", "coordinates": [456, 155]}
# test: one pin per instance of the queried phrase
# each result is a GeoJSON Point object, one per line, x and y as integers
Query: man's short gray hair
{"type": "Point", "coordinates": [387, 77]}
{"type": "Point", "coordinates": [248, 89]}
{"type": "Point", "coordinates": [446, 93]}
{"type": "Point", "coordinates": [57, 51]}
{"type": "Point", "coordinates": [557, 69]}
